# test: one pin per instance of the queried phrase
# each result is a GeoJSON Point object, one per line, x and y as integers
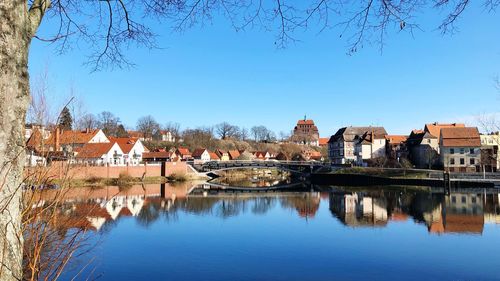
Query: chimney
{"type": "Point", "coordinates": [87, 130]}
{"type": "Point", "coordinates": [57, 139]}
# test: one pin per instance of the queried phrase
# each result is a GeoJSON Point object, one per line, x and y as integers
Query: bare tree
{"type": "Point", "coordinates": [148, 126]}
{"type": "Point", "coordinates": [174, 129]}
{"type": "Point", "coordinates": [87, 121]}
{"type": "Point", "coordinates": [225, 130]}
{"type": "Point", "coordinates": [109, 26]}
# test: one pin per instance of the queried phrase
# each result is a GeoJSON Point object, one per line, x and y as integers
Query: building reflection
{"type": "Point", "coordinates": [99, 208]}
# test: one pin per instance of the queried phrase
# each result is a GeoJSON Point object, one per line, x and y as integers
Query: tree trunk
{"type": "Point", "coordinates": [15, 34]}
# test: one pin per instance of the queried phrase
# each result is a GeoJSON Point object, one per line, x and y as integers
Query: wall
{"type": "Point", "coordinates": [59, 170]}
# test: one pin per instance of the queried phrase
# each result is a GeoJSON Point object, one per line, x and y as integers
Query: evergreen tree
{"type": "Point", "coordinates": [66, 120]}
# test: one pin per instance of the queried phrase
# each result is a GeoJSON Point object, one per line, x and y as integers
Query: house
{"type": "Point", "coordinates": [223, 155]}
{"type": "Point", "coordinates": [98, 154]}
{"type": "Point", "coordinates": [395, 146]}
{"type": "Point", "coordinates": [282, 157]}
{"type": "Point", "coordinates": [460, 149]}
{"type": "Point", "coordinates": [69, 140]}
{"type": "Point", "coordinates": [233, 154]}
{"type": "Point", "coordinates": [423, 145]}
{"type": "Point", "coordinates": [305, 132]}
{"type": "Point", "coordinates": [262, 155]}
{"type": "Point", "coordinates": [201, 154]}
{"type": "Point", "coordinates": [490, 159]}
{"type": "Point", "coordinates": [370, 145]}
{"type": "Point", "coordinates": [310, 154]}
{"type": "Point", "coordinates": [132, 149]}
{"type": "Point", "coordinates": [35, 149]}
{"type": "Point", "coordinates": [158, 156]}
{"type": "Point", "coordinates": [183, 153]}
{"type": "Point", "coordinates": [166, 136]}
{"type": "Point", "coordinates": [341, 146]}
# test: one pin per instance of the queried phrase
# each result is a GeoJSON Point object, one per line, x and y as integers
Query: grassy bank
{"type": "Point", "coordinates": [389, 173]}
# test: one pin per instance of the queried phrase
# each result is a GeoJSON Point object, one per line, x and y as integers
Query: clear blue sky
{"type": "Point", "coordinates": [213, 74]}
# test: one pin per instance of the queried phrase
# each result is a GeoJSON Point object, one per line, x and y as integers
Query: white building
{"type": "Point", "coordinates": [369, 146]}
{"type": "Point", "coordinates": [341, 146]}
{"type": "Point", "coordinates": [100, 154]}
{"type": "Point", "coordinates": [132, 148]}
{"type": "Point", "coordinates": [201, 155]}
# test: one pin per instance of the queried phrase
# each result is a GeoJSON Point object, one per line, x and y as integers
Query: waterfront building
{"type": "Point", "coordinates": [99, 154]}
{"type": "Point", "coordinates": [423, 145]}
{"type": "Point", "coordinates": [490, 159]}
{"type": "Point", "coordinates": [305, 132]}
{"type": "Point", "coordinates": [132, 149]}
{"type": "Point", "coordinates": [395, 146]}
{"type": "Point", "coordinates": [201, 154]}
{"type": "Point", "coordinates": [183, 153]}
{"type": "Point", "coordinates": [341, 146]}
{"type": "Point", "coordinates": [460, 149]}
{"type": "Point", "coordinates": [369, 146]}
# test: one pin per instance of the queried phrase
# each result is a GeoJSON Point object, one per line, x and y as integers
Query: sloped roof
{"type": "Point", "coordinates": [323, 141]}
{"type": "Point", "coordinates": [95, 150]}
{"type": "Point", "coordinates": [183, 151]}
{"type": "Point", "coordinates": [466, 136]}
{"type": "Point", "coordinates": [233, 154]}
{"type": "Point", "coordinates": [435, 128]}
{"type": "Point", "coordinates": [396, 139]}
{"type": "Point", "coordinates": [35, 141]}
{"type": "Point", "coordinates": [213, 156]}
{"type": "Point", "coordinates": [349, 133]}
{"type": "Point", "coordinates": [157, 154]}
{"type": "Point", "coordinates": [73, 137]}
{"type": "Point", "coordinates": [126, 144]}
{"type": "Point", "coordinates": [198, 152]}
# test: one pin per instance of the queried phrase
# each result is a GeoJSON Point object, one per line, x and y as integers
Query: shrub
{"type": "Point", "coordinates": [124, 179]}
{"type": "Point", "coordinates": [94, 179]}
{"type": "Point", "coordinates": [177, 177]}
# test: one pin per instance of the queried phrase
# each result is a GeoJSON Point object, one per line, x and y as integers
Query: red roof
{"type": "Point", "coordinates": [94, 150]}
{"type": "Point", "coordinates": [213, 156]}
{"type": "Point", "coordinates": [233, 154]}
{"type": "Point", "coordinates": [323, 141]}
{"type": "Point", "coordinates": [305, 122]}
{"type": "Point", "coordinates": [456, 137]}
{"type": "Point", "coordinates": [198, 152]}
{"type": "Point", "coordinates": [435, 128]}
{"type": "Point", "coordinates": [73, 137]}
{"type": "Point", "coordinates": [393, 139]}
{"type": "Point", "coordinates": [183, 151]}
{"type": "Point", "coordinates": [157, 155]}
{"type": "Point", "coordinates": [126, 144]}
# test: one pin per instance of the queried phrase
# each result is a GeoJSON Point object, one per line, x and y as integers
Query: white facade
{"type": "Point", "coordinates": [134, 156]}
{"type": "Point", "coordinates": [370, 150]}
{"type": "Point", "coordinates": [99, 137]}
{"type": "Point", "coordinates": [204, 157]}
{"type": "Point", "coordinates": [113, 157]}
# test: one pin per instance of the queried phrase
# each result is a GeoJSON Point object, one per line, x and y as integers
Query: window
{"type": "Point", "coordinates": [473, 199]}
{"type": "Point", "coordinates": [462, 150]}
{"type": "Point", "coordinates": [472, 151]}
{"type": "Point", "coordinates": [453, 199]}
{"type": "Point", "coordinates": [464, 199]}
{"type": "Point", "coordinates": [462, 161]}
{"type": "Point", "coordinates": [452, 151]}
{"type": "Point", "coordinates": [452, 161]}
{"type": "Point", "coordinates": [472, 161]}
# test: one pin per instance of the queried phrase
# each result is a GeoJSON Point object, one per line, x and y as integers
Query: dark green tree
{"type": "Point", "coordinates": [66, 120]}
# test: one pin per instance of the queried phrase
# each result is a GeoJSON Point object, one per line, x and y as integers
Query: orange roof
{"type": "Point", "coordinates": [464, 223]}
{"type": "Point", "coordinates": [233, 154]}
{"type": "Point", "coordinates": [126, 144]}
{"type": "Point", "coordinates": [157, 154]}
{"type": "Point", "coordinates": [73, 137]}
{"type": "Point", "coordinates": [435, 128]}
{"type": "Point", "coordinates": [467, 136]}
{"type": "Point", "coordinates": [35, 141]}
{"type": "Point", "coordinates": [213, 156]}
{"type": "Point", "coordinates": [305, 122]}
{"type": "Point", "coordinates": [323, 141]}
{"type": "Point", "coordinates": [183, 151]}
{"type": "Point", "coordinates": [399, 216]}
{"type": "Point", "coordinates": [94, 150]}
{"type": "Point", "coordinates": [396, 138]}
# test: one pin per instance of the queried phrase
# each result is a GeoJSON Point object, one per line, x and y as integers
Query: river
{"type": "Point", "coordinates": [161, 232]}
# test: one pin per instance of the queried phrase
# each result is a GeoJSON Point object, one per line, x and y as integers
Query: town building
{"type": "Point", "coordinates": [460, 149]}
{"type": "Point", "coordinates": [341, 146]}
{"type": "Point", "coordinates": [395, 146]}
{"type": "Point", "coordinates": [201, 155]}
{"type": "Point", "coordinates": [423, 145]}
{"type": "Point", "coordinates": [69, 140]}
{"type": "Point", "coordinates": [183, 153]}
{"type": "Point", "coordinates": [223, 155]}
{"type": "Point", "coordinates": [166, 136]}
{"type": "Point", "coordinates": [369, 146]}
{"type": "Point", "coordinates": [132, 149]}
{"type": "Point", "coordinates": [233, 154]}
{"type": "Point", "coordinates": [490, 159]}
{"type": "Point", "coordinates": [99, 154]}
{"type": "Point", "coordinates": [305, 132]}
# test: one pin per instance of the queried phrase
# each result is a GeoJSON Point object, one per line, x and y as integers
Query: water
{"type": "Point", "coordinates": [164, 234]}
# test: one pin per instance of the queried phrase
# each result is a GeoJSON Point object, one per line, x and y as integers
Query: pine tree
{"type": "Point", "coordinates": [66, 120]}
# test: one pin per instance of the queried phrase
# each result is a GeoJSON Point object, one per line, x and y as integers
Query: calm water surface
{"type": "Point", "coordinates": [161, 233]}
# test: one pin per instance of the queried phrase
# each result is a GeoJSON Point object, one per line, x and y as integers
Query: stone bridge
{"type": "Point", "coordinates": [301, 167]}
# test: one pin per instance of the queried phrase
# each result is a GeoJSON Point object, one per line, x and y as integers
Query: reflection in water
{"type": "Point", "coordinates": [459, 212]}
